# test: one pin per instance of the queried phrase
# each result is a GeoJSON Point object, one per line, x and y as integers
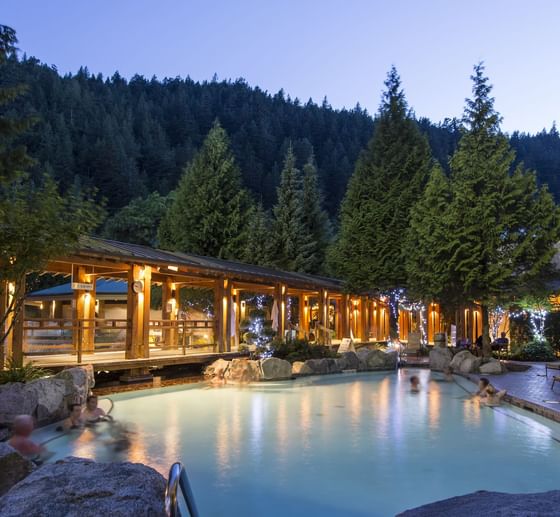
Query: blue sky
{"type": "Point", "coordinates": [313, 48]}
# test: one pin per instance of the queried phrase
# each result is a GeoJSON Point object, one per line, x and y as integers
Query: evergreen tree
{"type": "Point", "coordinates": [503, 227]}
{"type": "Point", "coordinates": [138, 221]}
{"type": "Point", "coordinates": [315, 219]}
{"type": "Point", "coordinates": [209, 213]}
{"type": "Point", "coordinates": [389, 178]}
{"type": "Point", "coordinates": [258, 246]}
{"type": "Point", "coordinates": [292, 246]}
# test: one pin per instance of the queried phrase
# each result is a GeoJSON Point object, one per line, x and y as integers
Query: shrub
{"type": "Point", "coordinates": [536, 351]}
{"type": "Point", "coordinates": [299, 350]}
{"type": "Point", "coordinates": [26, 373]}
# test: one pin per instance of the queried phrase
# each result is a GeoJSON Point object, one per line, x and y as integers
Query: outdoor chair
{"type": "Point", "coordinates": [550, 366]}
{"type": "Point", "coordinates": [413, 345]}
{"type": "Point", "coordinates": [554, 379]}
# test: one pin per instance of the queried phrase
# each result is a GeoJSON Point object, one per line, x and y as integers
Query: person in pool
{"type": "Point", "coordinates": [22, 428]}
{"type": "Point", "coordinates": [92, 413]}
{"type": "Point", "coordinates": [488, 394]}
{"type": "Point", "coordinates": [414, 384]}
{"type": "Point", "coordinates": [74, 421]}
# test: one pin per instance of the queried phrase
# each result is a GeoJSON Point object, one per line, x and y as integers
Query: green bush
{"type": "Point", "coordinates": [299, 350]}
{"type": "Point", "coordinates": [536, 351]}
{"type": "Point", "coordinates": [26, 373]}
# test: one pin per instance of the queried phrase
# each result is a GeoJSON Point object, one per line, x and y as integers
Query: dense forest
{"type": "Point", "coordinates": [130, 138]}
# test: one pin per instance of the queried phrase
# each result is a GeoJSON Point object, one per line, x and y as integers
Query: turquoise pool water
{"type": "Point", "coordinates": [348, 445]}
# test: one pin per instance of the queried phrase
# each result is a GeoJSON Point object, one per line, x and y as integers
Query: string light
{"type": "Point", "coordinates": [496, 317]}
{"type": "Point", "coordinates": [537, 318]}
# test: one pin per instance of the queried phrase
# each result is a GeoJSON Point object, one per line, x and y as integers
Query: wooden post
{"type": "Point", "coordinates": [78, 308]}
{"type": "Point", "coordinates": [138, 312]}
{"type": "Point", "coordinates": [364, 319]}
{"type": "Point", "coordinates": [345, 316]}
{"type": "Point", "coordinates": [303, 320]}
{"type": "Point", "coordinates": [89, 314]}
{"type": "Point", "coordinates": [280, 298]}
{"type": "Point", "coordinates": [236, 297]}
{"type": "Point", "coordinates": [168, 306]}
{"type": "Point", "coordinates": [375, 321]}
{"type": "Point", "coordinates": [220, 315]}
{"type": "Point", "coordinates": [229, 324]}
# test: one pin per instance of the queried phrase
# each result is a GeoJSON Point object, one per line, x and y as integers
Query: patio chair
{"type": "Point", "coordinates": [550, 366]}
{"type": "Point", "coordinates": [413, 345]}
{"type": "Point", "coordinates": [554, 379]}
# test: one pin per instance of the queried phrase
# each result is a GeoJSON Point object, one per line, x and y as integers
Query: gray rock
{"type": "Point", "coordinates": [243, 370]}
{"type": "Point", "coordinates": [300, 368]}
{"type": "Point", "coordinates": [471, 362]}
{"type": "Point", "coordinates": [332, 365]}
{"type": "Point", "coordinates": [377, 359]}
{"type": "Point", "coordinates": [492, 367]}
{"type": "Point", "coordinates": [348, 361]}
{"type": "Point", "coordinates": [217, 369]}
{"type": "Point", "coordinates": [275, 369]}
{"type": "Point", "coordinates": [76, 487]}
{"type": "Point", "coordinates": [13, 467]}
{"type": "Point", "coordinates": [15, 400]}
{"type": "Point", "coordinates": [52, 399]}
{"type": "Point", "coordinates": [440, 358]}
{"type": "Point", "coordinates": [79, 381]}
{"type": "Point", "coordinates": [491, 504]}
{"type": "Point", "coordinates": [317, 366]}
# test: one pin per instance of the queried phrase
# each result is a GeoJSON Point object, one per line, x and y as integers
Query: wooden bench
{"type": "Point", "coordinates": [550, 366]}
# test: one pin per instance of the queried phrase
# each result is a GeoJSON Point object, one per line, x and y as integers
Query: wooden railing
{"type": "Point", "coordinates": [180, 333]}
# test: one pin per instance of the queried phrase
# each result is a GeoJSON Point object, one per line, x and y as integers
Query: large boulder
{"type": "Point", "coordinates": [492, 367]}
{"type": "Point", "coordinates": [317, 366]}
{"type": "Point", "coordinates": [76, 487]}
{"type": "Point", "coordinates": [79, 382]}
{"type": "Point", "coordinates": [348, 361]}
{"type": "Point", "coordinates": [243, 370]}
{"type": "Point", "coordinates": [440, 358]}
{"type": "Point", "coordinates": [217, 369]}
{"type": "Point", "coordinates": [52, 399]}
{"type": "Point", "coordinates": [300, 368]}
{"type": "Point", "coordinates": [274, 369]}
{"type": "Point", "coordinates": [16, 399]}
{"type": "Point", "coordinates": [465, 362]}
{"type": "Point", "coordinates": [13, 467]}
{"type": "Point", "coordinates": [494, 504]}
{"type": "Point", "coordinates": [377, 359]}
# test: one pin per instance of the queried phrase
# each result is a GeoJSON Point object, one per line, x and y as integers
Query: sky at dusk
{"type": "Point", "coordinates": [339, 49]}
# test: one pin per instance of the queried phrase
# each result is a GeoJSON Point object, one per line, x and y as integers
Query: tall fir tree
{"type": "Point", "coordinates": [503, 228]}
{"type": "Point", "coordinates": [292, 245]}
{"type": "Point", "coordinates": [258, 247]}
{"type": "Point", "coordinates": [389, 178]}
{"type": "Point", "coordinates": [315, 219]}
{"type": "Point", "coordinates": [208, 215]}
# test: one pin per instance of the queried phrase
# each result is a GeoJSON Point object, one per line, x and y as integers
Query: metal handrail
{"type": "Point", "coordinates": [178, 478]}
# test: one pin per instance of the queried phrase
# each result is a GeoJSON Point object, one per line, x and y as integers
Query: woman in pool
{"type": "Point", "coordinates": [74, 421]}
{"type": "Point", "coordinates": [414, 384]}
{"type": "Point", "coordinates": [92, 413]}
{"type": "Point", "coordinates": [489, 395]}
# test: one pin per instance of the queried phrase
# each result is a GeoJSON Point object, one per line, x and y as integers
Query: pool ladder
{"type": "Point", "coordinates": [178, 479]}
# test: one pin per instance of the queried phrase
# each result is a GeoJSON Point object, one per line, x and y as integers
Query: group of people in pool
{"type": "Point", "coordinates": [79, 417]}
{"type": "Point", "coordinates": [487, 393]}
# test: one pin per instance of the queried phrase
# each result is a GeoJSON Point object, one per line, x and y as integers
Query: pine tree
{"type": "Point", "coordinates": [209, 213]}
{"type": "Point", "coordinates": [503, 227]}
{"type": "Point", "coordinates": [389, 178]}
{"type": "Point", "coordinates": [427, 237]}
{"type": "Point", "coordinates": [258, 246]}
{"type": "Point", "coordinates": [292, 244]}
{"type": "Point", "coordinates": [315, 219]}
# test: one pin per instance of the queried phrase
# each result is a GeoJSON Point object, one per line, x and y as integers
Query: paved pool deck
{"type": "Point", "coordinates": [530, 389]}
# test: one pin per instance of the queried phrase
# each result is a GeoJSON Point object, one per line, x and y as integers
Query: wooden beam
{"type": "Point", "coordinates": [168, 312]}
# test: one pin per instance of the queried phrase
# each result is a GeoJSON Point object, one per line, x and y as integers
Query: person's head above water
{"type": "Point", "coordinates": [483, 382]}
{"type": "Point", "coordinates": [75, 410]}
{"type": "Point", "coordinates": [91, 402]}
{"type": "Point", "coordinates": [414, 380]}
{"type": "Point", "coordinates": [23, 425]}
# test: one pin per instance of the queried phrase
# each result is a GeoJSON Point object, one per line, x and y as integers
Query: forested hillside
{"type": "Point", "coordinates": [129, 138]}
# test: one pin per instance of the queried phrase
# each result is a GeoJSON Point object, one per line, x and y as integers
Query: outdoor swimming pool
{"type": "Point", "coordinates": [349, 445]}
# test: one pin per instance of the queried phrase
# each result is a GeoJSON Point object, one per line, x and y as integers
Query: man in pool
{"type": "Point", "coordinates": [489, 395]}
{"type": "Point", "coordinates": [74, 421]}
{"type": "Point", "coordinates": [92, 413]}
{"type": "Point", "coordinates": [20, 441]}
{"type": "Point", "coordinates": [414, 384]}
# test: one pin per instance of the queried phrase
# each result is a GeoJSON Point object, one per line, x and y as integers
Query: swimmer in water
{"type": "Point", "coordinates": [92, 413]}
{"type": "Point", "coordinates": [23, 427]}
{"type": "Point", "coordinates": [489, 395]}
{"type": "Point", "coordinates": [414, 384]}
{"type": "Point", "coordinates": [74, 421]}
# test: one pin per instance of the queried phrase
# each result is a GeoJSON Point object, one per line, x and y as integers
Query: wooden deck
{"type": "Point", "coordinates": [114, 361]}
